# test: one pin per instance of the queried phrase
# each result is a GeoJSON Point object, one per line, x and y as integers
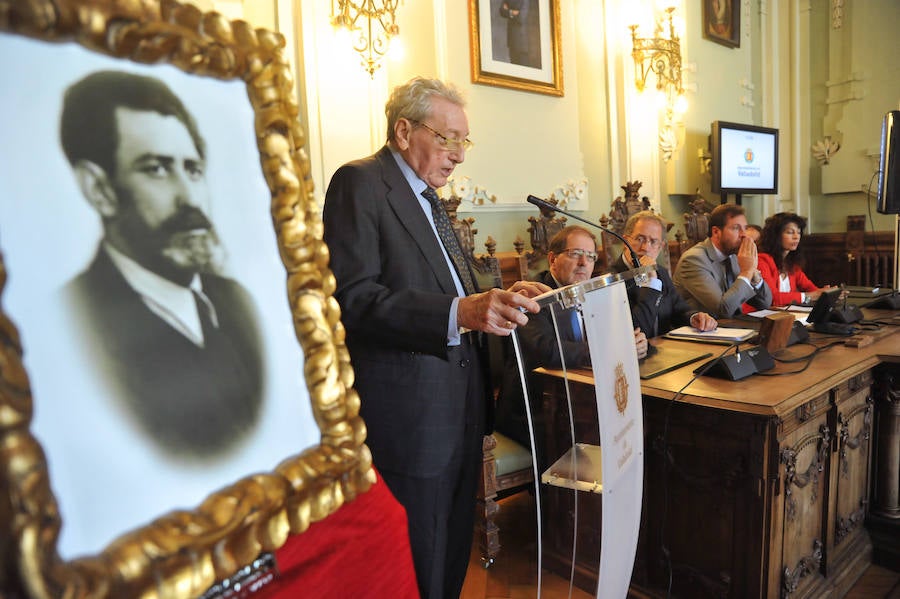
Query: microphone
{"type": "Point", "coordinates": [545, 204]}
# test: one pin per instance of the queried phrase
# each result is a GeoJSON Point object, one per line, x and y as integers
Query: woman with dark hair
{"type": "Point", "coordinates": [781, 263]}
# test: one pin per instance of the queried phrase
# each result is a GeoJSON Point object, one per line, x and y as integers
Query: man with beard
{"type": "Point", "coordinates": [177, 343]}
{"type": "Point", "coordinates": [720, 273]}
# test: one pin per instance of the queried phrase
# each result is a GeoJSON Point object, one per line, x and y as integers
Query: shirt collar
{"type": "Point", "coordinates": [415, 182]}
{"type": "Point", "coordinates": [174, 303]}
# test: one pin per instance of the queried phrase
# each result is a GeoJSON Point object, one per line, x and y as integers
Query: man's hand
{"type": "Point", "coordinates": [703, 321]}
{"type": "Point", "coordinates": [497, 311]}
{"type": "Point", "coordinates": [640, 343]}
{"type": "Point", "coordinates": [648, 261]}
{"type": "Point", "coordinates": [529, 288]}
{"type": "Point", "coordinates": [746, 258]}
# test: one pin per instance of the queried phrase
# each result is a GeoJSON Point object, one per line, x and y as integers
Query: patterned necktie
{"type": "Point", "coordinates": [729, 273]}
{"type": "Point", "coordinates": [448, 238]}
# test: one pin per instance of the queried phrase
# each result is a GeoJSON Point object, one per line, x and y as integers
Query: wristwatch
{"type": "Point", "coordinates": [756, 279]}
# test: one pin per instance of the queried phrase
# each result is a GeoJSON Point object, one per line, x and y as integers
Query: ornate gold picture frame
{"type": "Point", "coordinates": [516, 44]}
{"type": "Point", "coordinates": [177, 552]}
{"type": "Point", "coordinates": [722, 22]}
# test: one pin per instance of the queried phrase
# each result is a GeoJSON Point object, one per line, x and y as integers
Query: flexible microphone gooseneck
{"type": "Point", "coordinates": [545, 204]}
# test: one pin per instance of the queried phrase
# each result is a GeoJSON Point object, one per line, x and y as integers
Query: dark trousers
{"type": "Point", "coordinates": [440, 509]}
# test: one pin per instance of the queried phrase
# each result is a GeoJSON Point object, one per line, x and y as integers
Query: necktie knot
{"type": "Point", "coordinates": [432, 196]}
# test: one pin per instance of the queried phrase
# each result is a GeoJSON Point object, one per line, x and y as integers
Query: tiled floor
{"type": "Point", "coordinates": [513, 576]}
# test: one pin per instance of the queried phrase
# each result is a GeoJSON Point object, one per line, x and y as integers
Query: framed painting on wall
{"type": "Point", "coordinates": [174, 390]}
{"type": "Point", "coordinates": [722, 22]}
{"type": "Point", "coordinates": [516, 44]}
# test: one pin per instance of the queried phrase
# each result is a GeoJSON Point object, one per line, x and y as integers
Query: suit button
{"type": "Point", "coordinates": [463, 363]}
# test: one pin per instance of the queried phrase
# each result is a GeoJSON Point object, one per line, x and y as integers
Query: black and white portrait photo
{"type": "Point", "coordinates": [178, 342]}
{"type": "Point", "coordinates": [517, 44]}
{"type": "Point", "coordinates": [144, 277]}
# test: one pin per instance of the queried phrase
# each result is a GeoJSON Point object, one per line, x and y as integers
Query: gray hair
{"type": "Point", "coordinates": [632, 221]}
{"type": "Point", "coordinates": [412, 101]}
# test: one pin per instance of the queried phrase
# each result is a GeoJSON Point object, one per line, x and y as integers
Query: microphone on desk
{"type": "Point", "coordinates": [545, 204]}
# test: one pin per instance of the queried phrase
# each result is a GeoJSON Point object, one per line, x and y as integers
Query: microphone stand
{"type": "Point", "coordinates": [544, 204]}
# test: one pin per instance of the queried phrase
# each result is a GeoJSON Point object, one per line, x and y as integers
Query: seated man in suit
{"type": "Point", "coordinates": [656, 308]}
{"type": "Point", "coordinates": [571, 255]}
{"type": "Point", "coordinates": [177, 343]}
{"type": "Point", "coordinates": [720, 273]}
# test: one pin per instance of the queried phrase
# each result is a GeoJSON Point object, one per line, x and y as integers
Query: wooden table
{"type": "Point", "coordinates": [753, 488]}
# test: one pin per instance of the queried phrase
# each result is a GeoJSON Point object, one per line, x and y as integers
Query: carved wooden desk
{"type": "Point", "coordinates": [753, 488]}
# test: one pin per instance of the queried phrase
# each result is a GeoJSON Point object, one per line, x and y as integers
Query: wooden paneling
{"type": "Point", "coordinates": [829, 262]}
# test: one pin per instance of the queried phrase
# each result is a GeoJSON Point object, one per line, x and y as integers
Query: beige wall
{"type": "Point", "coordinates": [840, 85]}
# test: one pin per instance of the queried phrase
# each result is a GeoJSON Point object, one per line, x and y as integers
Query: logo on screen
{"type": "Point", "coordinates": [748, 155]}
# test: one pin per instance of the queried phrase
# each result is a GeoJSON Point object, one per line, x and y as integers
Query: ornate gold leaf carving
{"type": "Point", "coordinates": [183, 553]}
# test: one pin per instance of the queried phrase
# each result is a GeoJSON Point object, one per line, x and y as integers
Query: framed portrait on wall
{"type": "Point", "coordinates": [516, 44]}
{"type": "Point", "coordinates": [722, 22]}
{"type": "Point", "coordinates": [174, 396]}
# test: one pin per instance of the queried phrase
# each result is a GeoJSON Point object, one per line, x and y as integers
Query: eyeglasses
{"type": "Point", "coordinates": [577, 254]}
{"type": "Point", "coordinates": [447, 143]}
{"type": "Point", "coordinates": [651, 243]}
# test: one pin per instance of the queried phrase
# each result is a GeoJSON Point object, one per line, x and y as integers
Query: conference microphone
{"type": "Point", "coordinates": [545, 204]}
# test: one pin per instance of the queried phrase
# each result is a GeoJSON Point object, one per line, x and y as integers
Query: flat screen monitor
{"type": "Point", "coordinates": [823, 306]}
{"type": "Point", "coordinates": [744, 158]}
{"type": "Point", "coordinates": [889, 171]}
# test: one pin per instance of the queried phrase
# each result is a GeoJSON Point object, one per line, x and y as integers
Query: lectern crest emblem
{"type": "Point", "coordinates": [621, 389]}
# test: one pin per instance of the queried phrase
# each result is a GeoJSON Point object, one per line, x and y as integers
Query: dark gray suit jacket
{"type": "Point", "coordinates": [395, 290]}
{"type": "Point", "coordinates": [655, 312]}
{"type": "Point", "coordinates": [190, 400]}
{"type": "Point", "coordinates": [700, 279]}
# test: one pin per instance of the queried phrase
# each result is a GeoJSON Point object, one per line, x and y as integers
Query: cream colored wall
{"type": "Point", "coordinates": [860, 83]}
{"type": "Point", "coordinates": [601, 130]}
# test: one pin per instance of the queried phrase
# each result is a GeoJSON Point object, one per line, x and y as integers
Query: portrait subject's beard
{"type": "Point", "coordinates": [182, 246]}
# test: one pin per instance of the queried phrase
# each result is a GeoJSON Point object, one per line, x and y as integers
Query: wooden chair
{"type": "Point", "coordinates": [506, 465]}
{"type": "Point", "coordinates": [542, 229]}
{"type": "Point", "coordinates": [506, 469]}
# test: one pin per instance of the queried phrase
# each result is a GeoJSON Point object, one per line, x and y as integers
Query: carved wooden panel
{"type": "Point", "coordinates": [850, 474]}
{"type": "Point", "coordinates": [804, 471]}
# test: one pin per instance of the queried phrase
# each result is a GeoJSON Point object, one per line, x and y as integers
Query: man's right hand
{"type": "Point", "coordinates": [648, 261]}
{"type": "Point", "coordinates": [497, 311]}
{"type": "Point", "coordinates": [746, 257]}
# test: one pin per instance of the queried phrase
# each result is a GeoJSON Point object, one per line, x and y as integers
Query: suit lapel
{"type": "Point", "coordinates": [410, 214]}
{"type": "Point", "coordinates": [719, 266]}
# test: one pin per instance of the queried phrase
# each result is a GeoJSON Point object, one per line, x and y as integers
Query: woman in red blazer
{"type": "Point", "coordinates": [781, 263]}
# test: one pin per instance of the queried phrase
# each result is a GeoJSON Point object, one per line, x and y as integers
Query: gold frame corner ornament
{"type": "Point", "coordinates": [183, 553]}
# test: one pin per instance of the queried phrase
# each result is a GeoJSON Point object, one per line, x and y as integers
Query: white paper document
{"type": "Point", "coordinates": [717, 334]}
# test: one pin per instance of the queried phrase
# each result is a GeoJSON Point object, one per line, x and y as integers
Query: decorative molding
{"type": "Point", "coordinates": [806, 566]}
{"type": "Point", "coordinates": [844, 526]}
{"type": "Point", "coordinates": [570, 194]}
{"type": "Point", "coordinates": [837, 14]}
{"type": "Point", "coordinates": [824, 149]}
{"type": "Point", "coordinates": [860, 439]}
{"type": "Point", "coordinates": [473, 195]}
{"type": "Point", "coordinates": [793, 478]}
